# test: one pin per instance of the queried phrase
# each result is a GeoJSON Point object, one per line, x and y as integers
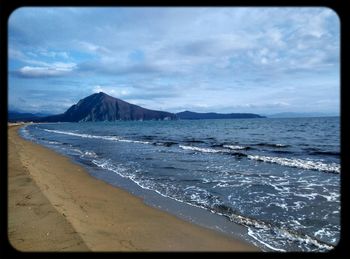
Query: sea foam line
{"type": "Point", "coordinates": [234, 147]}
{"type": "Point", "coordinates": [299, 163]}
{"type": "Point", "coordinates": [253, 225]}
{"type": "Point", "coordinates": [205, 150]}
{"type": "Point", "coordinates": [256, 226]}
{"type": "Point", "coordinates": [252, 234]}
{"type": "Point", "coordinates": [111, 138]}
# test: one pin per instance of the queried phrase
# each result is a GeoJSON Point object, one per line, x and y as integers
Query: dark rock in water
{"type": "Point", "coordinates": [102, 107]}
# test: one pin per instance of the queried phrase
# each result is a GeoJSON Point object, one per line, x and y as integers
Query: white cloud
{"type": "Point", "coordinates": [239, 52]}
{"type": "Point", "coordinates": [33, 58]}
{"type": "Point", "coordinates": [93, 48]}
{"type": "Point", "coordinates": [314, 25]}
{"type": "Point", "coordinates": [55, 69]}
{"type": "Point", "coordinates": [276, 37]}
{"type": "Point", "coordinates": [113, 91]}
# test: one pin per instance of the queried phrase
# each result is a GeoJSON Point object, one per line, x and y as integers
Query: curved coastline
{"type": "Point", "coordinates": [98, 216]}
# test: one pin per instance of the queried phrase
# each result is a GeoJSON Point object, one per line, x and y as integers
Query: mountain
{"type": "Point", "coordinates": [103, 107]}
{"type": "Point", "coordinates": [14, 116]}
{"type": "Point", "coordinates": [187, 115]}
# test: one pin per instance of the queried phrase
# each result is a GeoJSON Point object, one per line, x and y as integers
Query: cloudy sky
{"type": "Point", "coordinates": [260, 60]}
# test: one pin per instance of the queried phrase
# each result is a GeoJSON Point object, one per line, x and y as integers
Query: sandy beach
{"type": "Point", "coordinates": [55, 205]}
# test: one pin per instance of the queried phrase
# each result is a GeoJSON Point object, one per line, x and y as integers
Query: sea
{"type": "Point", "coordinates": [273, 182]}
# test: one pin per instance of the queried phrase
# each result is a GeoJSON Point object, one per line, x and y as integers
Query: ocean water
{"type": "Point", "coordinates": [279, 179]}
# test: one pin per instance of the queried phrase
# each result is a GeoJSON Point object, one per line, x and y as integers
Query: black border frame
{"type": "Point", "coordinates": [339, 6]}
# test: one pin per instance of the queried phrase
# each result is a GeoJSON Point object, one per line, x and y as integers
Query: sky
{"type": "Point", "coordinates": [258, 60]}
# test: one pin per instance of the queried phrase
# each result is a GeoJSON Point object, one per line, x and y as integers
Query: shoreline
{"type": "Point", "coordinates": [34, 224]}
{"type": "Point", "coordinates": [98, 216]}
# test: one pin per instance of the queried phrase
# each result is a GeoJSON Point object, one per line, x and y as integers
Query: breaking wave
{"type": "Point", "coordinates": [111, 138]}
{"type": "Point", "coordinates": [299, 163]}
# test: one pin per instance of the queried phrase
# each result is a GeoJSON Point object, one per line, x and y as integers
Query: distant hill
{"type": "Point", "coordinates": [14, 116]}
{"type": "Point", "coordinates": [299, 114]}
{"type": "Point", "coordinates": [187, 115]}
{"type": "Point", "coordinates": [103, 107]}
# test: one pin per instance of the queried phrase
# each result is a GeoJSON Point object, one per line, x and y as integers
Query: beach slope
{"type": "Point", "coordinates": [55, 205]}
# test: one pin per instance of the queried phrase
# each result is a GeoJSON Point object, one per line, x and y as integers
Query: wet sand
{"type": "Point", "coordinates": [55, 205]}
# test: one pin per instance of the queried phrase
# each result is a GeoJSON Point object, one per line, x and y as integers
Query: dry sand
{"type": "Point", "coordinates": [55, 205]}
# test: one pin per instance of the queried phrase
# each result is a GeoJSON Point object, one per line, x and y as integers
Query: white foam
{"type": "Point", "coordinates": [252, 234]}
{"type": "Point", "coordinates": [283, 206]}
{"type": "Point", "coordinates": [199, 149]}
{"type": "Point", "coordinates": [111, 138]}
{"type": "Point", "coordinates": [234, 147]}
{"type": "Point", "coordinates": [281, 145]}
{"type": "Point", "coordinates": [299, 163]}
{"type": "Point", "coordinates": [323, 232]}
{"type": "Point", "coordinates": [121, 171]}
{"type": "Point", "coordinates": [25, 133]}
{"type": "Point", "coordinates": [262, 231]}
{"type": "Point", "coordinates": [133, 141]}
{"type": "Point", "coordinates": [54, 142]}
{"type": "Point", "coordinates": [280, 188]}
{"type": "Point", "coordinates": [90, 154]}
{"type": "Point", "coordinates": [310, 196]}
{"type": "Point", "coordinates": [333, 196]}
{"type": "Point", "coordinates": [102, 163]}
{"type": "Point", "coordinates": [106, 164]}
{"type": "Point", "coordinates": [76, 151]}
{"type": "Point", "coordinates": [259, 231]}
{"type": "Point", "coordinates": [299, 205]}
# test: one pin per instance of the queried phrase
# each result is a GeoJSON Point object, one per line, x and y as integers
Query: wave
{"type": "Point", "coordinates": [90, 154]}
{"type": "Point", "coordinates": [202, 198]}
{"type": "Point", "coordinates": [291, 162]}
{"type": "Point", "coordinates": [111, 138]}
{"type": "Point", "coordinates": [226, 149]}
{"type": "Point", "coordinates": [272, 145]}
{"type": "Point", "coordinates": [258, 228]}
{"type": "Point", "coordinates": [54, 142]}
{"type": "Point", "coordinates": [299, 163]}
{"type": "Point", "coordinates": [82, 154]}
{"type": "Point", "coordinates": [261, 231]}
{"type": "Point", "coordinates": [236, 147]}
{"type": "Point", "coordinates": [212, 150]}
{"type": "Point", "coordinates": [25, 133]}
{"type": "Point", "coordinates": [200, 149]}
